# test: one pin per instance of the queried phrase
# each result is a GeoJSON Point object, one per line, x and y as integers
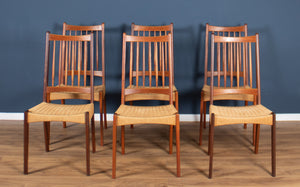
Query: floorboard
{"type": "Point", "coordinates": [147, 162]}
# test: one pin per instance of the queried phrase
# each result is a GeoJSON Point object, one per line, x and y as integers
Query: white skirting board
{"type": "Point", "coordinates": [183, 117]}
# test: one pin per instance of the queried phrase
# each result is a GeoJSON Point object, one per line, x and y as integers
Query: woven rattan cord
{"type": "Point", "coordinates": [225, 115]}
{"type": "Point", "coordinates": [241, 97]}
{"type": "Point", "coordinates": [57, 112]}
{"type": "Point", "coordinates": [74, 95]}
{"type": "Point", "coordinates": [164, 114]}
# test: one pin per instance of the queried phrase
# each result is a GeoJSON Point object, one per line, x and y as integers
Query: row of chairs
{"type": "Point", "coordinates": [148, 74]}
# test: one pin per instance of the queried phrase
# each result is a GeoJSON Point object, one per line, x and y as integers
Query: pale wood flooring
{"type": "Point", "coordinates": [147, 162]}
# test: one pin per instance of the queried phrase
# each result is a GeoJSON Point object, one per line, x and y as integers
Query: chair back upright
{"type": "Point", "coordinates": [149, 63]}
{"type": "Point", "coordinates": [246, 59]}
{"type": "Point", "coordinates": [221, 73]}
{"type": "Point", "coordinates": [162, 30]}
{"type": "Point", "coordinates": [68, 65]}
{"type": "Point", "coordinates": [99, 43]}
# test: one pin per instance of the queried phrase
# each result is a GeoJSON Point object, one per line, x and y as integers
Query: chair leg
{"type": "Point", "coordinates": [104, 107]}
{"type": "Point", "coordinates": [93, 134]}
{"type": "Point", "coordinates": [47, 135]}
{"type": "Point", "coordinates": [171, 139]}
{"type": "Point", "coordinates": [254, 134]}
{"type": "Point", "coordinates": [176, 101]}
{"type": "Point", "coordinates": [178, 145]}
{"type": "Point", "coordinates": [257, 138]}
{"type": "Point", "coordinates": [209, 133]}
{"type": "Point", "coordinates": [101, 118]}
{"type": "Point", "coordinates": [64, 123]}
{"type": "Point", "coordinates": [87, 142]}
{"type": "Point", "coordinates": [245, 124]}
{"type": "Point", "coordinates": [131, 103]}
{"type": "Point", "coordinates": [201, 119]}
{"type": "Point", "coordinates": [26, 140]}
{"type": "Point", "coordinates": [114, 147]}
{"type": "Point", "coordinates": [204, 114]}
{"type": "Point", "coordinates": [273, 136]}
{"type": "Point", "coordinates": [123, 139]}
{"type": "Point", "coordinates": [211, 144]}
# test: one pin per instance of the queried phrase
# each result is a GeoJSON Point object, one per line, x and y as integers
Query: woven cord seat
{"type": "Point", "coordinates": [240, 97]}
{"type": "Point", "coordinates": [225, 115]}
{"type": "Point", "coordinates": [164, 114]}
{"type": "Point", "coordinates": [57, 112]}
{"type": "Point", "coordinates": [152, 96]}
{"type": "Point", "coordinates": [76, 95]}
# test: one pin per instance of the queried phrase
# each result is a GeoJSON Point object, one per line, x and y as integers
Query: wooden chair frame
{"type": "Point", "coordinates": [53, 83]}
{"type": "Point", "coordinates": [234, 31]}
{"type": "Point", "coordinates": [99, 70]}
{"type": "Point", "coordinates": [121, 118]}
{"type": "Point", "coordinates": [259, 114]}
{"type": "Point", "coordinates": [143, 30]}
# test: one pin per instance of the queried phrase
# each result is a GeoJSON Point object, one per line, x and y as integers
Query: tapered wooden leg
{"type": "Point", "coordinates": [104, 107]}
{"type": "Point", "coordinates": [201, 119]}
{"type": "Point", "coordinates": [101, 118]}
{"type": "Point", "coordinates": [26, 140]}
{"type": "Point", "coordinates": [171, 139]}
{"type": "Point", "coordinates": [123, 139]}
{"type": "Point", "coordinates": [254, 134]}
{"type": "Point", "coordinates": [131, 103]}
{"type": "Point", "coordinates": [209, 133]}
{"type": "Point", "coordinates": [204, 114]}
{"type": "Point", "coordinates": [64, 123]}
{"type": "Point", "coordinates": [245, 124]}
{"type": "Point", "coordinates": [273, 136]}
{"type": "Point", "coordinates": [87, 142]}
{"type": "Point", "coordinates": [257, 138]}
{"type": "Point", "coordinates": [47, 135]}
{"type": "Point", "coordinates": [176, 101]}
{"type": "Point", "coordinates": [93, 134]}
{"type": "Point", "coordinates": [178, 145]}
{"type": "Point", "coordinates": [211, 144]}
{"type": "Point", "coordinates": [114, 147]}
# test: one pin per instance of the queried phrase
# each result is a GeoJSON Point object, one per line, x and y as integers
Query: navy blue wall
{"type": "Point", "coordinates": [24, 23]}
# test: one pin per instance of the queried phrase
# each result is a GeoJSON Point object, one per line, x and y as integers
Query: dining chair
{"type": "Point", "coordinates": [143, 30]}
{"type": "Point", "coordinates": [65, 58]}
{"type": "Point", "coordinates": [149, 63]}
{"type": "Point", "coordinates": [99, 71]}
{"type": "Point", "coordinates": [247, 83]}
{"type": "Point", "coordinates": [235, 31]}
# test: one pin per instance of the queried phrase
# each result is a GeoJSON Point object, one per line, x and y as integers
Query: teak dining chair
{"type": "Point", "coordinates": [99, 70]}
{"type": "Point", "coordinates": [65, 56]}
{"type": "Point", "coordinates": [150, 58]}
{"type": "Point", "coordinates": [246, 83]}
{"type": "Point", "coordinates": [235, 31]}
{"type": "Point", "coordinates": [143, 30]}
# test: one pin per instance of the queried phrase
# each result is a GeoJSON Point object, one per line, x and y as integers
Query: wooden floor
{"type": "Point", "coordinates": [147, 162]}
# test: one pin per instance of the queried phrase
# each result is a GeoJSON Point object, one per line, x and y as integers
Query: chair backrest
{"type": "Point", "coordinates": [68, 65]}
{"type": "Point", "coordinates": [162, 30]}
{"type": "Point", "coordinates": [247, 59]}
{"type": "Point", "coordinates": [236, 31]}
{"type": "Point", "coordinates": [149, 65]}
{"type": "Point", "coordinates": [99, 50]}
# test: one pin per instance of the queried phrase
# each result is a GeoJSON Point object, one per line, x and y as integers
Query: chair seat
{"type": "Point", "coordinates": [76, 95]}
{"type": "Point", "coordinates": [151, 96]}
{"type": "Point", "coordinates": [242, 97]}
{"type": "Point", "coordinates": [57, 112]}
{"type": "Point", "coordinates": [257, 114]}
{"type": "Point", "coordinates": [164, 114]}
